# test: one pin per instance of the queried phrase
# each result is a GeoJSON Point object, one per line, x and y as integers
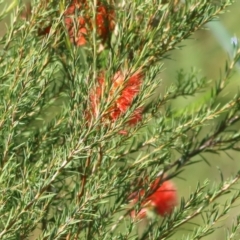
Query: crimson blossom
{"type": "Point", "coordinates": [122, 92]}
{"type": "Point", "coordinates": [78, 21]}
{"type": "Point", "coordinates": [162, 199]}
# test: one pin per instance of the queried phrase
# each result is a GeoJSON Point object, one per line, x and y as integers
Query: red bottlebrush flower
{"type": "Point", "coordinates": [130, 90]}
{"type": "Point", "coordinates": [74, 23]}
{"type": "Point", "coordinates": [78, 21]}
{"type": "Point", "coordinates": [162, 200]}
{"type": "Point", "coordinates": [80, 38]}
{"type": "Point", "coordinates": [121, 96]}
{"type": "Point", "coordinates": [104, 21]}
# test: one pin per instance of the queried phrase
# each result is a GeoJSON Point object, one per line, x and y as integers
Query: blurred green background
{"type": "Point", "coordinates": [205, 52]}
{"type": "Point", "coordinates": [208, 53]}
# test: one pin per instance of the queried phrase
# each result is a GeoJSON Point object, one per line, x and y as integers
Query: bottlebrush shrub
{"type": "Point", "coordinates": [82, 120]}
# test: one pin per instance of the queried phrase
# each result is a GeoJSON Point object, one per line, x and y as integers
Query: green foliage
{"type": "Point", "coordinates": [70, 175]}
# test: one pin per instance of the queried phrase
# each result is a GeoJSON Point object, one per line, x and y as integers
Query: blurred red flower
{"type": "Point", "coordinates": [162, 199]}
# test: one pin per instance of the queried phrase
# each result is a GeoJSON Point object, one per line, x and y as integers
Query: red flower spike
{"type": "Point", "coordinates": [104, 21]}
{"type": "Point", "coordinates": [79, 37]}
{"type": "Point", "coordinates": [79, 23]}
{"type": "Point", "coordinates": [121, 95]}
{"type": "Point", "coordinates": [162, 200]}
{"type": "Point", "coordinates": [129, 91]}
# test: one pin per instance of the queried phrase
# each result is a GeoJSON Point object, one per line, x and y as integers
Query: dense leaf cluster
{"type": "Point", "coordinates": [65, 176]}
